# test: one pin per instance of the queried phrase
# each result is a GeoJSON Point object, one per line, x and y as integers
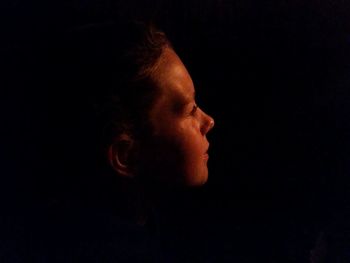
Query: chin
{"type": "Point", "coordinates": [198, 180]}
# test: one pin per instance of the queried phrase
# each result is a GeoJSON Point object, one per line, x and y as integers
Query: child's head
{"type": "Point", "coordinates": [177, 150]}
{"type": "Point", "coordinates": [129, 107]}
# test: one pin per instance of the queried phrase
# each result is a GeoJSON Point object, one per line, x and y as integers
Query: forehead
{"type": "Point", "coordinates": [173, 77]}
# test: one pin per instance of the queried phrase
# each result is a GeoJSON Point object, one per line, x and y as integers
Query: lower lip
{"type": "Point", "coordinates": [206, 156]}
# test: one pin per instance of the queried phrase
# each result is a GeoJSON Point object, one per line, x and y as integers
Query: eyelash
{"type": "Point", "coordinates": [194, 109]}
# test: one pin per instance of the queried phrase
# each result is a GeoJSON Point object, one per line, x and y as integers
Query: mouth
{"type": "Point", "coordinates": [206, 155]}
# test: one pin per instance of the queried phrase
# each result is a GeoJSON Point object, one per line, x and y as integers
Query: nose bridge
{"type": "Point", "coordinates": [207, 123]}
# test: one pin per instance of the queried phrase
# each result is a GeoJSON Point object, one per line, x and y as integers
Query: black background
{"type": "Point", "coordinates": [275, 77]}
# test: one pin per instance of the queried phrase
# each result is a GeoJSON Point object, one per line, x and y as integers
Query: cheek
{"type": "Point", "coordinates": [191, 137]}
{"type": "Point", "coordinates": [190, 150]}
{"type": "Point", "coordinates": [177, 154]}
{"type": "Point", "coordinates": [191, 145]}
{"type": "Point", "coordinates": [194, 162]}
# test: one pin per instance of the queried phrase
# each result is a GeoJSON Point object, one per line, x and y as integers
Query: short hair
{"type": "Point", "coordinates": [99, 86]}
{"type": "Point", "coordinates": [114, 62]}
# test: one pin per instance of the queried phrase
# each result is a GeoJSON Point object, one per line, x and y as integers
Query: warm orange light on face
{"type": "Point", "coordinates": [180, 150]}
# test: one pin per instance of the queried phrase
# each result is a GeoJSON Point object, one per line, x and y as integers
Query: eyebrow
{"type": "Point", "coordinates": [190, 98]}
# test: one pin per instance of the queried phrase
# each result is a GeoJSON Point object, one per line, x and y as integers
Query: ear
{"type": "Point", "coordinates": [120, 155]}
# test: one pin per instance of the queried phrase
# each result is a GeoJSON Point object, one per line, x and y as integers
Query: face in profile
{"type": "Point", "coordinates": [178, 151]}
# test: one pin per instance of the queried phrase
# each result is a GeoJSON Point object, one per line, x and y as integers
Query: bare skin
{"type": "Point", "coordinates": [179, 150]}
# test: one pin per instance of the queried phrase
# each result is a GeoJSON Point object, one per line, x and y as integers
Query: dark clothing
{"type": "Point", "coordinates": [333, 244]}
{"type": "Point", "coordinates": [76, 237]}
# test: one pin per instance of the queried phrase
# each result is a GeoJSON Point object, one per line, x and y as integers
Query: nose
{"type": "Point", "coordinates": [208, 123]}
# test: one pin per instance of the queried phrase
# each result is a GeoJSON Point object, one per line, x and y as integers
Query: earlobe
{"type": "Point", "coordinates": [120, 155]}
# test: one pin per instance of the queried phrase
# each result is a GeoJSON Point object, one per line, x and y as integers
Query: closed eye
{"type": "Point", "coordinates": [194, 109]}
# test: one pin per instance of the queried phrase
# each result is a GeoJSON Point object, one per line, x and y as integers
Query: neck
{"type": "Point", "coordinates": [137, 204]}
